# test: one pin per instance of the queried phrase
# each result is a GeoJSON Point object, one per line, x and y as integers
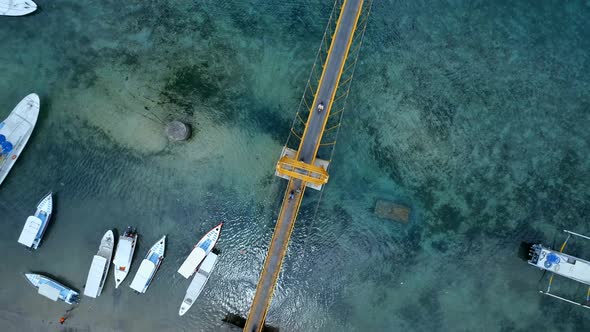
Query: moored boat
{"type": "Point", "coordinates": [124, 255]}
{"type": "Point", "coordinates": [15, 132]}
{"type": "Point", "coordinates": [52, 289]}
{"type": "Point", "coordinates": [198, 283]}
{"type": "Point", "coordinates": [36, 224]}
{"type": "Point", "coordinates": [149, 266]}
{"type": "Point", "coordinates": [199, 252]}
{"type": "Point", "coordinates": [17, 7]}
{"type": "Point", "coordinates": [99, 269]}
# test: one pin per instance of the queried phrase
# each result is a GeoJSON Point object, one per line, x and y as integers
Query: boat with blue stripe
{"type": "Point", "coordinates": [15, 132]}
{"type": "Point", "coordinates": [149, 266]}
{"type": "Point", "coordinates": [52, 289]}
{"type": "Point", "coordinates": [36, 224]}
{"type": "Point", "coordinates": [200, 251]}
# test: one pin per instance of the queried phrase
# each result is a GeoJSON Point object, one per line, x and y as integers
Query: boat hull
{"type": "Point", "coordinates": [53, 289]}
{"type": "Point", "coordinates": [36, 225]}
{"type": "Point", "coordinates": [99, 269]}
{"type": "Point", "coordinates": [124, 256]}
{"type": "Point", "coordinates": [17, 7]}
{"type": "Point", "coordinates": [149, 266]}
{"type": "Point", "coordinates": [198, 283]}
{"type": "Point", "coordinates": [15, 132]}
{"type": "Point", "coordinates": [200, 251]}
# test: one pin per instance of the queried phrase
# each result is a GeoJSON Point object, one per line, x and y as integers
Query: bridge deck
{"type": "Point", "coordinates": [333, 67]}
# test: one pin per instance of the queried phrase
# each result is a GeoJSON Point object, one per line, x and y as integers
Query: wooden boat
{"type": "Point", "coordinates": [200, 251]}
{"type": "Point", "coordinates": [99, 269]}
{"type": "Point", "coordinates": [198, 283]}
{"type": "Point", "coordinates": [17, 7]}
{"type": "Point", "coordinates": [52, 289]}
{"type": "Point", "coordinates": [15, 132]}
{"type": "Point", "coordinates": [149, 266]}
{"type": "Point", "coordinates": [36, 225]}
{"type": "Point", "coordinates": [124, 255]}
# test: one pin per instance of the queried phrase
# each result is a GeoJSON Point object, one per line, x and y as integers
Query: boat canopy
{"type": "Point", "coordinates": [192, 262]}
{"type": "Point", "coordinates": [124, 251]}
{"type": "Point", "coordinates": [49, 292]}
{"type": "Point", "coordinates": [143, 276]}
{"type": "Point", "coordinates": [94, 280]}
{"type": "Point", "coordinates": [30, 231]}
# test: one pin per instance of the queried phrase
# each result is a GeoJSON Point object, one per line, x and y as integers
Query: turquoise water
{"type": "Point", "coordinates": [473, 113]}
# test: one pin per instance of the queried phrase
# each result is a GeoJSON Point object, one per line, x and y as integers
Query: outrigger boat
{"type": "Point", "coordinates": [149, 266]}
{"type": "Point", "coordinates": [15, 132]}
{"type": "Point", "coordinates": [52, 289]}
{"type": "Point", "coordinates": [200, 251]}
{"type": "Point", "coordinates": [17, 7]}
{"type": "Point", "coordinates": [198, 283]}
{"type": "Point", "coordinates": [36, 225]}
{"type": "Point", "coordinates": [99, 269]}
{"type": "Point", "coordinates": [562, 264]}
{"type": "Point", "coordinates": [124, 255]}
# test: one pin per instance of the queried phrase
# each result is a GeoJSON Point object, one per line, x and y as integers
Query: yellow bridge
{"type": "Point", "coordinates": [302, 167]}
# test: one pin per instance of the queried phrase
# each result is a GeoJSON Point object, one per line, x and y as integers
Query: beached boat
{"type": "Point", "coordinates": [124, 255]}
{"type": "Point", "coordinates": [149, 266]}
{"type": "Point", "coordinates": [200, 251]}
{"type": "Point", "coordinates": [198, 283]}
{"type": "Point", "coordinates": [52, 289]}
{"type": "Point", "coordinates": [99, 269]}
{"type": "Point", "coordinates": [36, 225]}
{"type": "Point", "coordinates": [17, 7]}
{"type": "Point", "coordinates": [15, 132]}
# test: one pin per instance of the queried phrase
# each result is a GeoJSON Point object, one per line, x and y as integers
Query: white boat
{"type": "Point", "coordinates": [36, 225]}
{"type": "Point", "coordinates": [200, 251]}
{"type": "Point", "coordinates": [52, 289]}
{"type": "Point", "coordinates": [124, 255]}
{"type": "Point", "coordinates": [565, 265]}
{"type": "Point", "coordinates": [15, 132]}
{"type": "Point", "coordinates": [99, 269]}
{"type": "Point", "coordinates": [149, 266]}
{"type": "Point", "coordinates": [17, 7]}
{"type": "Point", "coordinates": [198, 283]}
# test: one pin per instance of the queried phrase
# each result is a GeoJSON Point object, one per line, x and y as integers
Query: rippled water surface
{"type": "Point", "coordinates": [474, 113]}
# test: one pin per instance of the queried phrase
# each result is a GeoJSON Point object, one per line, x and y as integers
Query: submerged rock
{"type": "Point", "coordinates": [178, 131]}
{"type": "Point", "coordinates": [392, 211]}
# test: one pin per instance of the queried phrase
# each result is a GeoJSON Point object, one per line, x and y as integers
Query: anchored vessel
{"type": "Point", "coordinates": [149, 266]}
{"type": "Point", "coordinates": [562, 264]}
{"type": "Point", "coordinates": [198, 283]}
{"type": "Point", "coordinates": [200, 251]}
{"type": "Point", "coordinates": [124, 255]}
{"type": "Point", "coordinates": [52, 289]}
{"type": "Point", "coordinates": [99, 269]}
{"type": "Point", "coordinates": [17, 7]}
{"type": "Point", "coordinates": [16, 130]}
{"type": "Point", "coordinates": [35, 225]}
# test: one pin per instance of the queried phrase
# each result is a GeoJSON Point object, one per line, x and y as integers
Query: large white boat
{"type": "Point", "coordinates": [198, 283]}
{"type": "Point", "coordinates": [36, 225]}
{"type": "Point", "coordinates": [124, 255]}
{"type": "Point", "coordinates": [17, 7]}
{"type": "Point", "coordinates": [149, 266]}
{"type": "Point", "coordinates": [200, 251]}
{"type": "Point", "coordinates": [15, 132]}
{"type": "Point", "coordinates": [99, 269]}
{"type": "Point", "coordinates": [52, 289]}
